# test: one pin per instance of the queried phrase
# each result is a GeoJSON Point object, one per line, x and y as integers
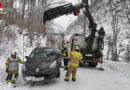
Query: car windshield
{"type": "Point", "coordinates": [42, 53]}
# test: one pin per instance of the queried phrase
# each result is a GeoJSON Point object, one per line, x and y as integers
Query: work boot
{"type": "Point", "coordinates": [8, 81]}
{"type": "Point", "coordinates": [13, 82]}
{"type": "Point", "coordinates": [66, 80]}
{"type": "Point", "coordinates": [73, 79]}
{"type": "Point", "coordinates": [66, 68]}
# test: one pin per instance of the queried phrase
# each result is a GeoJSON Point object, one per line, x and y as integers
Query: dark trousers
{"type": "Point", "coordinates": [10, 77]}
{"type": "Point", "coordinates": [66, 61]}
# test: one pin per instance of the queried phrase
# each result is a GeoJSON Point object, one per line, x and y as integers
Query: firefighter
{"type": "Point", "coordinates": [100, 44]}
{"type": "Point", "coordinates": [12, 67]}
{"type": "Point", "coordinates": [101, 34]}
{"type": "Point", "coordinates": [75, 58]}
{"type": "Point", "coordinates": [66, 58]}
{"type": "Point", "coordinates": [100, 41]}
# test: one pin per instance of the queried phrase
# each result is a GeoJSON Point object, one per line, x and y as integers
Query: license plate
{"type": "Point", "coordinates": [89, 55]}
{"type": "Point", "coordinates": [38, 79]}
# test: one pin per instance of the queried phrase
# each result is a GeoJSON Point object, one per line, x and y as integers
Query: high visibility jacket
{"type": "Point", "coordinates": [75, 57]}
{"type": "Point", "coordinates": [65, 54]}
{"type": "Point", "coordinates": [12, 63]}
{"type": "Point", "coordinates": [100, 43]}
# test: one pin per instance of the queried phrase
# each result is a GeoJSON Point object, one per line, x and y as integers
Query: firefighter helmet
{"type": "Point", "coordinates": [101, 31]}
{"type": "Point", "coordinates": [13, 53]}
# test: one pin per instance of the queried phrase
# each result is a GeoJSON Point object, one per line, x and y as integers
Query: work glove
{"type": "Point", "coordinates": [81, 61]}
{"type": "Point", "coordinates": [7, 70]}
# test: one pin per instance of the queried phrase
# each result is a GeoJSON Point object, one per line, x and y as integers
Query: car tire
{"type": "Point", "coordinates": [92, 64]}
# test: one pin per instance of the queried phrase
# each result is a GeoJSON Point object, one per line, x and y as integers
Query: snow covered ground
{"type": "Point", "coordinates": [87, 79]}
{"type": "Point", "coordinates": [119, 66]}
{"type": "Point", "coordinates": [115, 77]}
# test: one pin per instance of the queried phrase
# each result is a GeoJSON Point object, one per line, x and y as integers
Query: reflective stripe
{"type": "Point", "coordinates": [81, 61]}
{"type": "Point", "coordinates": [65, 66]}
{"type": "Point", "coordinates": [81, 57]}
{"type": "Point", "coordinates": [7, 62]}
{"type": "Point", "coordinates": [66, 57]}
{"type": "Point", "coordinates": [20, 61]}
{"type": "Point", "coordinates": [74, 77]}
{"type": "Point", "coordinates": [8, 80]}
{"type": "Point", "coordinates": [67, 78]}
{"type": "Point", "coordinates": [14, 79]}
{"type": "Point", "coordinates": [72, 64]}
{"type": "Point", "coordinates": [7, 66]}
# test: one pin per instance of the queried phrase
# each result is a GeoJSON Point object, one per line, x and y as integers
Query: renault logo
{"type": "Point", "coordinates": [37, 70]}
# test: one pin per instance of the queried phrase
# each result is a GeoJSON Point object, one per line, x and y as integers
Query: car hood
{"type": "Point", "coordinates": [41, 63]}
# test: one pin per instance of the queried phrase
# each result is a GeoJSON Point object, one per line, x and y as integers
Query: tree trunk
{"type": "Point", "coordinates": [114, 43]}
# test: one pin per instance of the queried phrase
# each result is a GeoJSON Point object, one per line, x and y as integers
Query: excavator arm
{"type": "Point", "coordinates": [60, 11]}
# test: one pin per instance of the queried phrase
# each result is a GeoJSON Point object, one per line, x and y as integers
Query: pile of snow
{"type": "Point", "coordinates": [2, 77]}
{"type": "Point", "coordinates": [118, 66]}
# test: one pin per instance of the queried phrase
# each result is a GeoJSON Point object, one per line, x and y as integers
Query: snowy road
{"type": "Point", "coordinates": [87, 79]}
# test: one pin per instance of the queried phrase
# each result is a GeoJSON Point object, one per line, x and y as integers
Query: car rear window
{"type": "Point", "coordinates": [42, 53]}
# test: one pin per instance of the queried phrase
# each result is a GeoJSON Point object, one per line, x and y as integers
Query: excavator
{"type": "Point", "coordinates": [75, 9]}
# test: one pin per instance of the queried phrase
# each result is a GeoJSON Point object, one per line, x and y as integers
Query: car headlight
{"type": "Point", "coordinates": [23, 67]}
{"type": "Point", "coordinates": [53, 65]}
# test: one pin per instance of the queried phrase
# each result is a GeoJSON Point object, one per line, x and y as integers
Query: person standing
{"type": "Point", "coordinates": [100, 39]}
{"type": "Point", "coordinates": [75, 58]}
{"type": "Point", "coordinates": [66, 58]}
{"type": "Point", "coordinates": [12, 67]}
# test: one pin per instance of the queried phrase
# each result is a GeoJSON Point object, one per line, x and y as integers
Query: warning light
{"type": "Point", "coordinates": [0, 5]}
{"type": "Point", "coordinates": [76, 13]}
{"type": "Point", "coordinates": [76, 34]}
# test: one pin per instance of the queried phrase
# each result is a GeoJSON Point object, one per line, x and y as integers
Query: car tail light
{"type": "Point", "coordinates": [98, 60]}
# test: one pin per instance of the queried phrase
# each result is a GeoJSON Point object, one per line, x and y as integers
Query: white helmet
{"type": "Point", "coordinates": [13, 53]}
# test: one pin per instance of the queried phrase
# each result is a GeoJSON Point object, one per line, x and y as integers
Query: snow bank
{"type": "Point", "coordinates": [118, 66]}
{"type": "Point", "coordinates": [2, 77]}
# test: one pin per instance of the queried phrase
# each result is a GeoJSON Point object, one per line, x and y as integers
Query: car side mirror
{"type": "Point", "coordinates": [26, 57]}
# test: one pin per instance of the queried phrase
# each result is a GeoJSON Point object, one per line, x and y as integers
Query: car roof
{"type": "Point", "coordinates": [37, 48]}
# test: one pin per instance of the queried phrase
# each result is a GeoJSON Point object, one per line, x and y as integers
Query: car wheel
{"type": "Point", "coordinates": [92, 64]}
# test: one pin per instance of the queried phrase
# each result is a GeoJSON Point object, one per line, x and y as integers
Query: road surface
{"type": "Point", "coordinates": [87, 79]}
